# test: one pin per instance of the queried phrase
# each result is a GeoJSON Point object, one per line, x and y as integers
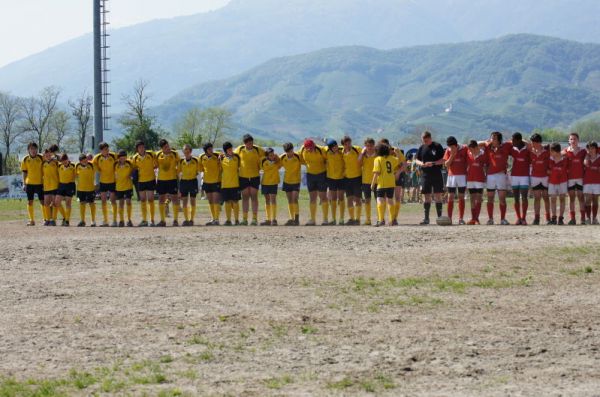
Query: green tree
{"type": "Point", "coordinates": [189, 131]}
{"type": "Point", "coordinates": [588, 130]}
{"type": "Point", "coordinates": [200, 126]}
{"type": "Point", "coordinates": [552, 135]}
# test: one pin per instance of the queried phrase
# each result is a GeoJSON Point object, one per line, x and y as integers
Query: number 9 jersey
{"type": "Point", "coordinates": [386, 167]}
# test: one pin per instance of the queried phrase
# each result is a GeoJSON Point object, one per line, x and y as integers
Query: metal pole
{"type": "Point", "coordinates": [98, 119]}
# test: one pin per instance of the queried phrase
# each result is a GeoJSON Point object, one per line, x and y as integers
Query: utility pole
{"type": "Point", "coordinates": [98, 117]}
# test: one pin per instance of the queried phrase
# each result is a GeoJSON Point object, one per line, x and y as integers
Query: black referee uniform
{"type": "Point", "coordinates": [432, 180]}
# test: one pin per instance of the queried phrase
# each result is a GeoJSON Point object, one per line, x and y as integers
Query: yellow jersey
{"type": "Point", "coordinates": [292, 167]}
{"type": "Point", "coordinates": [400, 156]}
{"type": "Point", "coordinates": [168, 165]}
{"type": "Point", "coordinates": [86, 177]}
{"type": "Point", "coordinates": [314, 161]}
{"type": "Point", "coordinates": [189, 168]}
{"type": "Point", "coordinates": [50, 175]}
{"type": "Point", "coordinates": [230, 172]}
{"type": "Point", "coordinates": [386, 167]}
{"type": "Point", "coordinates": [66, 174]}
{"type": "Point", "coordinates": [335, 164]}
{"type": "Point", "coordinates": [270, 172]}
{"type": "Point", "coordinates": [145, 165]}
{"type": "Point", "coordinates": [250, 161]}
{"type": "Point", "coordinates": [33, 167]}
{"type": "Point", "coordinates": [352, 168]}
{"type": "Point", "coordinates": [210, 166]}
{"type": "Point", "coordinates": [123, 176]}
{"type": "Point", "coordinates": [105, 166]}
{"type": "Point", "coordinates": [367, 168]}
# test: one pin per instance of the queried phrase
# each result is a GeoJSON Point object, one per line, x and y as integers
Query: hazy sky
{"type": "Point", "coordinates": [30, 26]}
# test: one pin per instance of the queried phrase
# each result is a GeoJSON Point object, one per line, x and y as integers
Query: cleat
{"type": "Point", "coordinates": [333, 223]}
{"type": "Point", "coordinates": [380, 224]}
{"type": "Point", "coordinates": [536, 222]}
{"type": "Point", "coordinates": [290, 222]}
{"type": "Point", "coordinates": [152, 224]}
{"type": "Point", "coordinates": [210, 223]}
{"type": "Point", "coordinates": [572, 222]}
{"type": "Point", "coordinates": [254, 222]}
{"type": "Point", "coordinates": [311, 223]}
{"type": "Point", "coordinates": [561, 220]}
{"type": "Point", "coordinates": [52, 223]}
{"type": "Point", "coordinates": [588, 221]}
{"type": "Point", "coordinates": [81, 224]}
{"type": "Point", "coordinates": [228, 223]}
{"type": "Point", "coordinates": [274, 223]}
{"type": "Point", "coordinates": [595, 222]}
{"type": "Point", "coordinates": [551, 222]}
{"type": "Point", "coordinates": [583, 222]}
{"type": "Point", "coordinates": [461, 222]}
{"type": "Point", "coordinates": [523, 222]}
{"type": "Point", "coordinates": [121, 224]}
{"type": "Point", "coordinates": [63, 223]}
{"type": "Point", "coordinates": [424, 222]}
{"type": "Point", "coordinates": [325, 223]}
{"type": "Point", "coordinates": [114, 224]}
{"type": "Point", "coordinates": [504, 222]}
{"type": "Point", "coordinates": [237, 223]}
{"type": "Point", "coordinates": [143, 224]}
{"type": "Point", "coordinates": [472, 222]}
{"type": "Point", "coordinates": [367, 223]}
{"type": "Point", "coordinates": [31, 223]}
{"type": "Point", "coordinates": [519, 222]}
{"type": "Point", "coordinates": [191, 223]}
{"type": "Point", "coordinates": [342, 222]}
{"type": "Point", "coordinates": [129, 224]}
{"type": "Point", "coordinates": [175, 223]}
{"type": "Point", "coordinates": [161, 224]}
{"type": "Point", "coordinates": [185, 223]}
{"type": "Point", "coordinates": [490, 222]}
{"type": "Point", "coordinates": [265, 223]}
{"type": "Point", "coordinates": [394, 223]}
{"type": "Point", "coordinates": [104, 224]}
{"type": "Point", "coordinates": [243, 223]}
{"type": "Point", "coordinates": [93, 224]}
{"type": "Point", "coordinates": [216, 222]}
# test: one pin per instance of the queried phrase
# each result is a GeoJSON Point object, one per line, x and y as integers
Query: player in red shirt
{"type": "Point", "coordinates": [497, 153]}
{"type": "Point", "coordinates": [455, 159]}
{"type": "Point", "coordinates": [539, 176]}
{"type": "Point", "coordinates": [476, 163]}
{"type": "Point", "coordinates": [576, 156]}
{"type": "Point", "coordinates": [591, 183]}
{"type": "Point", "coordinates": [519, 176]}
{"type": "Point", "coordinates": [558, 168]}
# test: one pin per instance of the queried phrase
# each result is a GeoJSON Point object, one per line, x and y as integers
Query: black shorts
{"type": "Point", "coordinates": [124, 194]}
{"type": "Point", "coordinates": [577, 187]}
{"type": "Point", "coordinates": [86, 197]}
{"type": "Point", "coordinates": [32, 190]}
{"type": "Point", "coordinates": [188, 187]}
{"type": "Point", "coordinates": [367, 192]}
{"type": "Point", "coordinates": [539, 186]}
{"type": "Point", "coordinates": [149, 186]}
{"type": "Point", "coordinates": [268, 189]}
{"type": "Point", "coordinates": [167, 187]}
{"type": "Point", "coordinates": [50, 192]}
{"type": "Point", "coordinates": [291, 187]}
{"type": "Point", "coordinates": [400, 180]}
{"type": "Point", "coordinates": [211, 187]}
{"type": "Point", "coordinates": [107, 187]}
{"type": "Point", "coordinates": [336, 184]}
{"type": "Point", "coordinates": [386, 193]}
{"type": "Point", "coordinates": [230, 194]}
{"type": "Point", "coordinates": [66, 189]}
{"type": "Point", "coordinates": [353, 186]}
{"type": "Point", "coordinates": [249, 182]}
{"type": "Point", "coordinates": [455, 190]}
{"type": "Point", "coordinates": [316, 182]}
{"type": "Point", "coordinates": [433, 183]}
{"type": "Point", "coordinates": [476, 191]}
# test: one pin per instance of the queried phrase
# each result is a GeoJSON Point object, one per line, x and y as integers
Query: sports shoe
{"type": "Point", "coordinates": [504, 222]}
{"type": "Point", "coordinates": [63, 223]}
{"type": "Point", "coordinates": [93, 224]}
{"type": "Point", "coordinates": [31, 223]}
{"type": "Point", "coordinates": [310, 223]}
{"type": "Point", "coordinates": [367, 223]}
{"type": "Point", "coordinates": [588, 221]}
{"type": "Point", "coordinates": [114, 224]}
{"type": "Point", "coordinates": [341, 222]}
{"type": "Point", "coordinates": [185, 223]}
{"type": "Point", "coordinates": [274, 223]}
{"type": "Point", "coordinates": [595, 222]}
{"type": "Point", "coordinates": [81, 224]}
{"type": "Point", "coordinates": [561, 220]}
{"type": "Point", "coordinates": [152, 224]}
{"type": "Point", "coordinates": [461, 222]}
{"type": "Point", "coordinates": [143, 224]}
{"type": "Point", "coordinates": [490, 222]}
{"type": "Point", "coordinates": [325, 223]}
{"type": "Point", "coordinates": [244, 223]}
{"type": "Point", "coordinates": [52, 223]}
{"type": "Point", "coordinates": [523, 222]}
{"type": "Point", "coordinates": [129, 224]}
{"type": "Point", "coordinates": [518, 222]}
{"type": "Point", "coordinates": [191, 223]}
{"type": "Point", "coordinates": [161, 224]}
{"type": "Point", "coordinates": [46, 223]}
{"type": "Point", "coordinates": [290, 222]}
{"type": "Point", "coordinates": [472, 222]}
{"type": "Point", "coordinates": [210, 223]}
{"type": "Point", "coordinates": [350, 222]}
{"type": "Point", "coordinates": [175, 223]}
{"type": "Point", "coordinates": [394, 222]}
{"type": "Point", "coordinates": [379, 224]}
{"type": "Point", "coordinates": [572, 222]}
{"type": "Point", "coordinates": [333, 223]}
{"type": "Point", "coordinates": [236, 223]}
{"type": "Point", "coordinates": [228, 223]}
{"type": "Point", "coordinates": [121, 224]}
{"type": "Point", "coordinates": [424, 222]}
{"type": "Point", "coordinates": [583, 222]}
{"type": "Point", "coordinates": [254, 222]}
{"type": "Point", "coordinates": [551, 222]}
{"type": "Point", "coordinates": [265, 223]}
{"type": "Point", "coordinates": [536, 222]}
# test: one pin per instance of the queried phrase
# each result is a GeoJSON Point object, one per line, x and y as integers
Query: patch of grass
{"type": "Point", "coordinates": [166, 359]}
{"type": "Point", "coordinates": [580, 272]}
{"type": "Point", "coordinates": [368, 384]}
{"type": "Point", "coordinates": [190, 374]}
{"type": "Point", "coordinates": [308, 330]}
{"type": "Point", "coordinates": [170, 393]}
{"type": "Point", "coordinates": [206, 356]}
{"type": "Point", "coordinates": [199, 340]}
{"type": "Point", "coordinates": [278, 383]}
{"type": "Point", "coordinates": [82, 380]}
{"type": "Point", "coordinates": [341, 384]}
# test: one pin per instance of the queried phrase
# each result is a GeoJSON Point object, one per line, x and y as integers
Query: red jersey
{"type": "Point", "coordinates": [592, 172]}
{"type": "Point", "coordinates": [498, 158]}
{"type": "Point", "coordinates": [459, 164]}
{"type": "Point", "coordinates": [521, 161]}
{"type": "Point", "coordinates": [476, 166]}
{"type": "Point", "coordinates": [539, 163]}
{"type": "Point", "coordinates": [559, 170]}
{"type": "Point", "coordinates": [576, 163]}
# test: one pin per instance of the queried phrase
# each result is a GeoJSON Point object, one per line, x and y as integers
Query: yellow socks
{"type": "Point", "coordinates": [245, 216]}
{"type": "Point", "coordinates": [114, 212]}
{"type": "Point", "coordinates": [228, 208]}
{"type": "Point", "coordinates": [163, 211]}
{"type": "Point", "coordinates": [121, 214]}
{"type": "Point", "coordinates": [193, 212]}
{"type": "Point", "coordinates": [236, 211]}
{"type": "Point", "coordinates": [358, 212]}
{"type": "Point", "coordinates": [144, 208]}
{"type": "Point", "coordinates": [61, 209]}
{"type": "Point", "coordinates": [44, 214]}
{"type": "Point", "coordinates": [392, 209]}
{"type": "Point", "coordinates": [175, 212]}
{"type": "Point", "coordinates": [82, 211]}
{"type": "Point", "coordinates": [368, 212]}
{"type": "Point", "coordinates": [151, 207]}
{"type": "Point", "coordinates": [129, 210]}
{"type": "Point", "coordinates": [291, 211]}
{"type": "Point", "coordinates": [186, 213]}
{"type": "Point", "coordinates": [381, 211]}
{"type": "Point", "coordinates": [268, 211]}
{"type": "Point", "coordinates": [313, 212]}
{"type": "Point", "coordinates": [342, 205]}
{"type": "Point", "coordinates": [273, 212]}
{"type": "Point", "coordinates": [105, 212]}
{"type": "Point", "coordinates": [351, 212]}
{"type": "Point", "coordinates": [325, 208]}
{"type": "Point", "coordinates": [30, 212]}
{"type": "Point", "coordinates": [93, 211]}
{"type": "Point", "coordinates": [54, 212]}
{"type": "Point", "coordinates": [68, 214]}
{"type": "Point", "coordinates": [334, 205]}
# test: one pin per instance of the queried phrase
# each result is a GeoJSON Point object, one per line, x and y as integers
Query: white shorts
{"type": "Point", "coordinates": [592, 188]}
{"type": "Point", "coordinates": [475, 185]}
{"type": "Point", "coordinates": [555, 190]}
{"type": "Point", "coordinates": [573, 182]}
{"type": "Point", "coordinates": [456, 181]}
{"type": "Point", "coordinates": [537, 181]}
{"type": "Point", "coordinates": [497, 182]}
{"type": "Point", "coordinates": [521, 182]}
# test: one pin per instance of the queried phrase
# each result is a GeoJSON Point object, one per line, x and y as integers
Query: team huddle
{"type": "Point", "coordinates": [341, 179]}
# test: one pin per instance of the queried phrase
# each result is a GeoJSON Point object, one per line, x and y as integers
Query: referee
{"type": "Point", "coordinates": [430, 157]}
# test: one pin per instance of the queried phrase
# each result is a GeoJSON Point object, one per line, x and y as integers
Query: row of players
{"type": "Point", "coordinates": [334, 173]}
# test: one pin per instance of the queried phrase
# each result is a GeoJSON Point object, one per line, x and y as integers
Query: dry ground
{"type": "Point", "coordinates": [300, 311]}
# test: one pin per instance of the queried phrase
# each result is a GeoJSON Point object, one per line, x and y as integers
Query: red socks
{"type": "Point", "coordinates": [461, 208]}
{"type": "Point", "coordinates": [450, 208]}
{"type": "Point", "coordinates": [502, 211]}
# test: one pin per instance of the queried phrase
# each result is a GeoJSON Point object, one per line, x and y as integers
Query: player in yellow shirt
{"type": "Point", "coordinates": [335, 181]}
{"type": "Point", "coordinates": [124, 187]}
{"type": "Point", "coordinates": [50, 182]}
{"type": "Point", "coordinates": [292, 165]}
{"type": "Point", "coordinates": [104, 164]}
{"type": "Point", "coordinates": [166, 185]}
{"type": "Point", "coordinates": [385, 173]}
{"type": "Point", "coordinates": [189, 166]}
{"type": "Point", "coordinates": [270, 182]}
{"type": "Point", "coordinates": [230, 183]}
{"type": "Point", "coordinates": [352, 180]}
{"type": "Point", "coordinates": [31, 167]}
{"type": "Point", "coordinates": [210, 166]}
{"type": "Point", "coordinates": [66, 188]}
{"type": "Point", "coordinates": [399, 190]}
{"type": "Point", "coordinates": [86, 189]}
{"type": "Point", "coordinates": [367, 161]}
{"type": "Point", "coordinates": [250, 157]}
{"type": "Point", "coordinates": [145, 164]}
{"type": "Point", "coordinates": [313, 157]}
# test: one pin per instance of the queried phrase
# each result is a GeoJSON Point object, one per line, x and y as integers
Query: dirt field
{"type": "Point", "coordinates": [409, 311]}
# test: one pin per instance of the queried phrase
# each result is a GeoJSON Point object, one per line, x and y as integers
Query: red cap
{"type": "Point", "coordinates": [309, 143]}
